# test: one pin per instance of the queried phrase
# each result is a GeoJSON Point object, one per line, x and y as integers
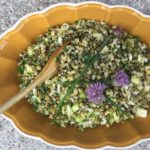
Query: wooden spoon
{"type": "Point", "coordinates": [49, 70]}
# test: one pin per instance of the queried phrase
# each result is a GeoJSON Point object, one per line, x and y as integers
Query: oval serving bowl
{"type": "Point", "coordinates": [25, 32]}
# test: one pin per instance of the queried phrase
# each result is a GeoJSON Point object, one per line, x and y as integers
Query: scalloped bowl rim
{"type": "Point", "coordinates": [138, 141]}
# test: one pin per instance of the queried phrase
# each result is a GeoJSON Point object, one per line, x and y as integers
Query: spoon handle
{"type": "Point", "coordinates": [26, 90]}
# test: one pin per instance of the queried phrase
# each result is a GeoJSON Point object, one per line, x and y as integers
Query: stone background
{"type": "Point", "coordinates": [10, 12]}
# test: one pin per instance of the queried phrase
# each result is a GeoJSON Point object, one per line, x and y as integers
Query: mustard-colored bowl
{"type": "Point", "coordinates": [17, 39]}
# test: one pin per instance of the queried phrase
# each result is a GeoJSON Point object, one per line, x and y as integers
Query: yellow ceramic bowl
{"type": "Point", "coordinates": [25, 32]}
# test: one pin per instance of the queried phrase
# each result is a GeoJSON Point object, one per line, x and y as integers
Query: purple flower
{"type": "Point", "coordinates": [118, 31]}
{"type": "Point", "coordinates": [121, 78]}
{"type": "Point", "coordinates": [95, 92]}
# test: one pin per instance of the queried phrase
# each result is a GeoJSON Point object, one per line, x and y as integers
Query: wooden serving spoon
{"type": "Point", "coordinates": [49, 70]}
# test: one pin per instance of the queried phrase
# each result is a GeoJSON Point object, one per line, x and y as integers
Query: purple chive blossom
{"type": "Point", "coordinates": [121, 78]}
{"type": "Point", "coordinates": [95, 92]}
{"type": "Point", "coordinates": [118, 31]}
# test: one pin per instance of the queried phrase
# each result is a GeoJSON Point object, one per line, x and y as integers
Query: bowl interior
{"type": "Point", "coordinates": [36, 124]}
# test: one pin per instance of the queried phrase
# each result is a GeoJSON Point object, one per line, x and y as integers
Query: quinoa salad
{"type": "Point", "coordinates": [103, 76]}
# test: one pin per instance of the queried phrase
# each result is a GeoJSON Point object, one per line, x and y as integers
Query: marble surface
{"type": "Point", "coordinates": [10, 12]}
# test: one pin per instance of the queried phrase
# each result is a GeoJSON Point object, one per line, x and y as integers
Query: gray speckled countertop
{"type": "Point", "coordinates": [10, 12]}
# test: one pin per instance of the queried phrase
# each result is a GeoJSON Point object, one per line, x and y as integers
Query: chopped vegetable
{"type": "Point", "coordinates": [141, 112]}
